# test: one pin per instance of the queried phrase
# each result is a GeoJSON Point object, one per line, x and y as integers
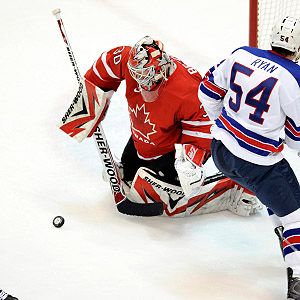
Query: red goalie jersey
{"type": "Point", "coordinates": [177, 116]}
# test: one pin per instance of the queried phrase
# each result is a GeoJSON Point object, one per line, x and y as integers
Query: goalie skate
{"type": "Point", "coordinates": [293, 286]}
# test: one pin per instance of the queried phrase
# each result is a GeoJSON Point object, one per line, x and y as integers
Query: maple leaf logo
{"type": "Point", "coordinates": [140, 121]}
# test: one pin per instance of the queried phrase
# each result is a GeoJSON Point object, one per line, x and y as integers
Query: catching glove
{"type": "Point", "coordinates": [188, 164]}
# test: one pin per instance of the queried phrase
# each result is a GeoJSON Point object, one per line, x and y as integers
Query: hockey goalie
{"type": "Point", "coordinates": [166, 155]}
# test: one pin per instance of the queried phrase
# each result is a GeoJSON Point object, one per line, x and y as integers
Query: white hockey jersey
{"type": "Point", "coordinates": [252, 96]}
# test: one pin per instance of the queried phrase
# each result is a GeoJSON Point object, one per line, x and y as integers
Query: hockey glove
{"type": "Point", "coordinates": [188, 164]}
{"type": "Point", "coordinates": [88, 108]}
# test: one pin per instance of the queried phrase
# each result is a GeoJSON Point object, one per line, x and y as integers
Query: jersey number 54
{"type": "Point", "coordinates": [259, 103]}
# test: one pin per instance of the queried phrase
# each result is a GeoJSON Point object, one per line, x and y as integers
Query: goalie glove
{"type": "Point", "coordinates": [87, 110]}
{"type": "Point", "coordinates": [188, 164]}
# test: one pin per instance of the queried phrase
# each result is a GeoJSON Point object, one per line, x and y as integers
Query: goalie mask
{"type": "Point", "coordinates": [148, 64]}
{"type": "Point", "coordinates": [286, 35]}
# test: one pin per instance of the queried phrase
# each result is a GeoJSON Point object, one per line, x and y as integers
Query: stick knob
{"type": "Point", "coordinates": [56, 12]}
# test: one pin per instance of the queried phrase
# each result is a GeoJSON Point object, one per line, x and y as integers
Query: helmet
{"type": "Point", "coordinates": [286, 35]}
{"type": "Point", "coordinates": [148, 64]}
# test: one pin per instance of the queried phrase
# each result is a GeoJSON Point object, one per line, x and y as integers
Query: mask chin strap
{"type": "Point", "coordinates": [164, 75]}
{"type": "Point", "coordinates": [168, 71]}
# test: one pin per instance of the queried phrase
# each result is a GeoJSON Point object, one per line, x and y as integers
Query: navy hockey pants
{"type": "Point", "coordinates": [276, 186]}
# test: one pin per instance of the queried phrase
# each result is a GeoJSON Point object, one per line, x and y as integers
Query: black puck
{"type": "Point", "coordinates": [58, 221]}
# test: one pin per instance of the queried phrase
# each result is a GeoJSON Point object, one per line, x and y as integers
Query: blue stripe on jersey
{"type": "Point", "coordinates": [250, 133]}
{"type": "Point", "coordinates": [297, 128]}
{"type": "Point", "coordinates": [209, 93]}
{"type": "Point", "coordinates": [291, 135]}
{"type": "Point", "coordinates": [290, 232]}
{"type": "Point", "coordinates": [289, 65]}
{"type": "Point", "coordinates": [293, 246]}
{"type": "Point", "coordinates": [242, 143]}
{"type": "Point", "coordinates": [291, 249]}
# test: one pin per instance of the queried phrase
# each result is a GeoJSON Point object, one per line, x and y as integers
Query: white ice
{"type": "Point", "coordinates": [100, 253]}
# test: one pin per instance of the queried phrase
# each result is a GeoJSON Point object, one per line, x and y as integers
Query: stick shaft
{"type": "Point", "coordinates": [63, 32]}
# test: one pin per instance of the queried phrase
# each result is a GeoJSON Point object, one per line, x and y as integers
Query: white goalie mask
{"type": "Point", "coordinates": [286, 35]}
{"type": "Point", "coordinates": [148, 63]}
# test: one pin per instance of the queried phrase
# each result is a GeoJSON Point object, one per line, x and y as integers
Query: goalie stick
{"type": "Point", "coordinates": [124, 205]}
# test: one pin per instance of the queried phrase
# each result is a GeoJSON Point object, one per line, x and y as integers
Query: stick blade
{"type": "Point", "coordinates": [140, 209]}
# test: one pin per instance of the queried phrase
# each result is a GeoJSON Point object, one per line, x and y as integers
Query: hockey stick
{"type": "Point", "coordinates": [124, 205]}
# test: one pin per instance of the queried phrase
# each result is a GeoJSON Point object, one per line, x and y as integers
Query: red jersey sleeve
{"type": "Point", "coordinates": [108, 70]}
{"type": "Point", "coordinates": [195, 124]}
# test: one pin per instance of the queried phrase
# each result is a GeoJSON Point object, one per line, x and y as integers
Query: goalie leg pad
{"type": "Point", "coordinates": [220, 193]}
{"type": "Point", "coordinates": [147, 187]}
{"type": "Point", "coordinates": [242, 202]}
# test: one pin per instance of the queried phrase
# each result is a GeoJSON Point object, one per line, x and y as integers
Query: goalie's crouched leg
{"type": "Point", "coordinates": [218, 193]}
{"type": "Point", "coordinates": [163, 165]}
{"type": "Point", "coordinates": [157, 181]}
{"type": "Point", "coordinates": [148, 187]}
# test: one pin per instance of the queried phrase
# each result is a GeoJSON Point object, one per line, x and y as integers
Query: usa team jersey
{"type": "Point", "coordinates": [252, 96]}
{"type": "Point", "coordinates": [176, 116]}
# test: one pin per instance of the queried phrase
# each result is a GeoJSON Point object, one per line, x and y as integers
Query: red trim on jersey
{"type": "Point", "coordinates": [289, 126]}
{"type": "Point", "coordinates": [200, 128]}
{"type": "Point", "coordinates": [248, 139]}
{"type": "Point", "coordinates": [213, 87]}
{"type": "Point", "coordinates": [291, 240]}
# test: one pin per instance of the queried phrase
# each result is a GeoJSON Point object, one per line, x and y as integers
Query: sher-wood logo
{"type": "Point", "coordinates": [107, 161]}
{"type": "Point", "coordinates": [72, 106]}
{"type": "Point", "coordinates": [141, 124]}
{"type": "Point", "coordinates": [165, 188]}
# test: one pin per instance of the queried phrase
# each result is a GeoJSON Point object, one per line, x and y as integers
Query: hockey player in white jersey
{"type": "Point", "coordinates": [252, 95]}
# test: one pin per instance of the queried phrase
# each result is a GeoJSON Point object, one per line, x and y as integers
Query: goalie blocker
{"type": "Point", "coordinates": [86, 111]}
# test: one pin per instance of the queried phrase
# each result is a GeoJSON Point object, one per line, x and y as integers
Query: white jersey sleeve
{"type": "Point", "coordinates": [212, 93]}
{"type": "Point", "coordinates": [253, 95]}
{"type": "Point", "coordinates": [291, 107]}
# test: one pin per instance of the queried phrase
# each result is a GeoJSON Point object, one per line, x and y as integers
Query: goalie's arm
{"type": "Point", "coordinates": [189, 166]}
{"type": "Point", "coordinates": [109, 69]}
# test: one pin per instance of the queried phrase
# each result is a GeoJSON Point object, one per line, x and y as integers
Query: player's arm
{"type": "Point", "coordinates": [194, 147]}
{"type": "Point", "coordinates": [108, 70]}
{"type": "Point", "coordinates": [292, 124]}
{"type": "Point", "coordinates": [213, 89]}
{"type": "Point", "coordinates": [92, 99]}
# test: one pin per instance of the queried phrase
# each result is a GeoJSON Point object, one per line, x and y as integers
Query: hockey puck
{"type": "Point", "coordinates": [58, 221]}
